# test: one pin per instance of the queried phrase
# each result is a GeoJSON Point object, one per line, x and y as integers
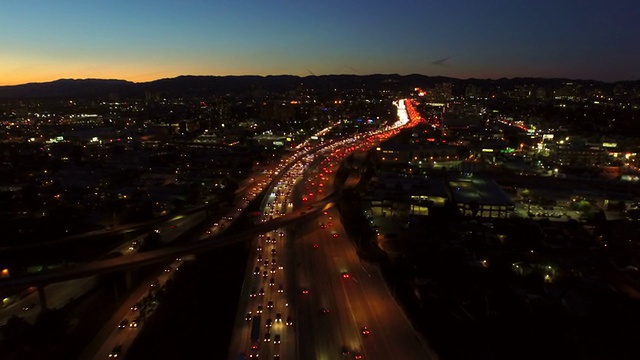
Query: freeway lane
{"type": "Point", "coordinates": [268, 260]}
{"type": "Point", "coordinates": [112, 335]}
{"type": "Point", "coordinates": [361, 299]}
{"type": "Point", "coordinates": [370, 303]}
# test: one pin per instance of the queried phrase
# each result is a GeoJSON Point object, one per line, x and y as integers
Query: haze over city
{"type": "Point", "coordinates": [146, 40]}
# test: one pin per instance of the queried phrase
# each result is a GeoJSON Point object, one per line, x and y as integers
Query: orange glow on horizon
{"type": "Point", "coordinates": [17, 70]}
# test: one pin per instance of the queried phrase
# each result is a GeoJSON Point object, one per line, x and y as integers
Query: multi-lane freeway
{"type": "Point", "coordinates": [305, 285]}
{"type": "Point", "coordinates": [307, 295]}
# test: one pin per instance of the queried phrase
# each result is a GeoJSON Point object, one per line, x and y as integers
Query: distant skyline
{"type": "Point", "coordinates": [143, 40]}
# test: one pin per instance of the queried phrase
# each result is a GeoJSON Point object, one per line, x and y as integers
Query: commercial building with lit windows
{"type": "Point", "coordinates": [579, 154]}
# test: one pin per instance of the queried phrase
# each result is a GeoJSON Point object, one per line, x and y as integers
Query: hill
{"type": "Point", "coordinates": [183, 86]}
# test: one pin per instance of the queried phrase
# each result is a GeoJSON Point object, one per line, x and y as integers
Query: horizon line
{"type": "Point", "coordinates": [315, 76]}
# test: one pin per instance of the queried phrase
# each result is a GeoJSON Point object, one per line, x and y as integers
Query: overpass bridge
{"type": "Point", "coordinates": [128, 262]}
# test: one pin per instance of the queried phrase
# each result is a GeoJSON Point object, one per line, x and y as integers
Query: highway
{"type": "Point", "coordinates": [301, 278]}
{"type": "Point", "coordinates": [333, 305]}
{"type": "Point", "coordinates": [266, 286]}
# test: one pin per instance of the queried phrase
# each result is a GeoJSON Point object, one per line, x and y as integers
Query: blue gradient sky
{"type": "Point", "coordinates": [139, 40]}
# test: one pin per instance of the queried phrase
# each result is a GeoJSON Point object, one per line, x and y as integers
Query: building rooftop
{"type": "Point", "coordinates": [480, 189]}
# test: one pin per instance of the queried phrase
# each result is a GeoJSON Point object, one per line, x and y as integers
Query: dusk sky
{"type": "Point", "coordinates": [139, 40]}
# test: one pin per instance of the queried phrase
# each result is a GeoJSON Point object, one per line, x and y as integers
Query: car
{"type": "Point", "coordinates": [252, 294]}
{"type": "Point", "coordinates": [135, 307]}
{"type": "Point", "coordinates": [315, 245]}
{"type": "Point", "coordinates": [267, 337]}
{"type": "Point", "coordinates": [345, 275]}
{"type": "Point", "coordinates": [123, 324]}
{"type": "Point", "coordinates": [273, 251]}
{"type": "Point", "coordinates": [168, 269]}
{"type": "Point", "coordinates": [305, 292]}
{"type": "Point", "coordinates": [289, 321]}
{"type": "Point", "coordinates": [280, 288]}
{"type": "Point", "coordinates": [344, 350]}
{"type": "Point", "coordinates": [269, 323]}
{"type": "Point", "coordinates": [365, 331]}
{"type": "Point", "coordinates": [276, 356]}
{"type": "Point", "coordinates": [265, 273]}
{"type": "Point", "coordinates": [273, 269]}
{"type": "Point", "coordinates": [261, 292]}
{"type": "Point", "coordinates": [248, 316]}
{"type": "Point", "coordinates": [259, 258]}
{"type": "Point", "coordinates": [357, 356]}
{"type": "Point", "coordinates": [134, 323]}
{"type": "Point", "coordinates": [322, 226]}
{"type": "Point", "coordinates": [259, 248]}
{"type": "Point", "coordinates": [276, 339]}
{"type": "Point", "coordinates": [115, 352]}
{"type": "Point", "coordinates": [259, 309]}
{"type": "Point", "coordinates": [272, 282]}
{"type": "Point", "coordinates": [279, 317]}
{"type": "Point", "coordinates": [270, 304]}
{"type": "Point", "coordinates": [256, 271]}
{"type": "Point", "coordinates": [28, 307]}
{"type": "Point", "coordinates": [324, 311]}
{"type": "Point", "coordinates": [335, 235]}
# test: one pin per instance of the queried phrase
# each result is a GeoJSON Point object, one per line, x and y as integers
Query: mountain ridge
{"type": "Point", "coordinates": [202, 85]}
